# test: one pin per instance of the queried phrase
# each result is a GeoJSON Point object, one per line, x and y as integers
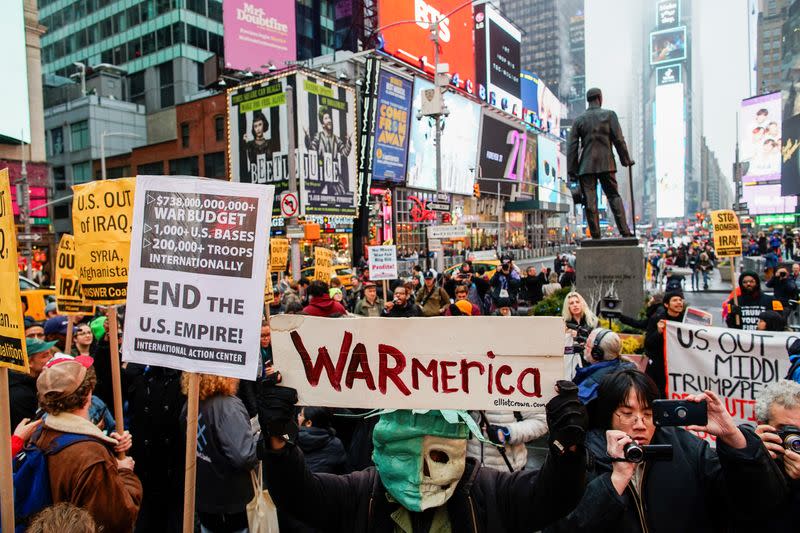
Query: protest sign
{"type": "Point", "coordinates": [12, 329]}
{"type": "Point", "coordinates": [323, 264]}
{"type": "Point", "coordinates": [727, 233]}
{"type": "Point", "coordinates": [278, 254]}
{"type": "Point", "coordinates": [69, 297]}
{"type": "Point", "coordinates": [497, 363]}
{"type": "Point", "coordinates": [732, 363]}
{"type": "Point", "coordinates": [101, 219]}
{"type": "Point", "coordinates": [698, 317]}
{"type": "Point", "coordinates": [382, 262]}
{"type": "Point", "coordinates": [197, 277]}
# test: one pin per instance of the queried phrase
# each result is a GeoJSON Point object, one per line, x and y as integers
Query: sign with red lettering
{"type": "Point", "coordinates": [382, 262]}
{"type": "Point", "coordinates": [496, 363]}
{"type": "Point", "coordinates": [735, 364]}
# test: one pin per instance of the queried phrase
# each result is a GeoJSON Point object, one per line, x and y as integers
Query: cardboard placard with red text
{"type": "Point", "coordinates": [494, 363]}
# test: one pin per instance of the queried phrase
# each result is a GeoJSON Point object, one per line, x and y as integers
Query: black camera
{"type": "Point", "coordinates": [790, 436]}
{"type": "Point", "coordinates": [580, 339]}
{"type": "Point", "coordinates": [610, 307]}
{"type": "Point", "coordinates": [635, 453]}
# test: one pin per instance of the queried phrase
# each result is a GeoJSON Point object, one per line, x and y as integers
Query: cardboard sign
{"type": "Point", "coordinates": [278, 254]}
{"type": "Point", "coordinates": [69, 296]}
{"type": "Point", "coordinates": [382, 262]}
{"type": "Point", "coordinates": [102, 212]}
{"type": "Point", "coordinates": [13, 354]}
{"type": "Point", "coordinates": [496, 363]}
{"type": "Point", "coordinates": [323, 264]}
{"type": "Point", "coordinates": [697, 317]}
{"type": "Point", "coordinates": [199, 261]}
{"type": "Point", "coordinates": [727, 233]}
{"type": "Point", "coordinates": [733, 363]}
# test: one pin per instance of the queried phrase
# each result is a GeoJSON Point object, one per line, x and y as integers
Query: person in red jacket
{"type": "Point", "coordinates": [320, 303]}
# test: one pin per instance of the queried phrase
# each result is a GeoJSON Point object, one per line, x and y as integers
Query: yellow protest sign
{"type": "Point", "coordinates": [102, 212]}
{"type": "Point", "coordinates": [323, 264]}
{"type": "Point", "coordinates": [13, 354]}
{"type": "Point", "coordinates": [727, 233]}
{"type": "Point", "coordinates": [278, 254]}
{"type": "Point", "coordinates": [69, 297]}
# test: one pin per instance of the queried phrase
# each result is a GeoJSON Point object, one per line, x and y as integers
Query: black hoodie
{"type": "Point", "coordinates": [751, 305]}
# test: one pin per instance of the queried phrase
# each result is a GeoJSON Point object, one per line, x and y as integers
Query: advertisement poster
{"type": "Point", "coordinates": [529, 90]}
{"type": "Point", "coordinates": [13, 354]}
{"type": "Point", "coordinates": [502, 156]}
{"type": "Point", "coordinates": [198, 266]}
{"type": "Point", "coordinates": [259, 33]}
{"type": "Point", "coordinates": [670, 136]}
{"type": "Point", "coordinates": [497, 60]}
{"type": "Point", "coordinates": [391, 128]}
{"type": "Point", "coordinates": [326, 122]}
{"type": "Point", "coordinates": [668, 45]}
{"type": "Point", "coordinates": [258, 135]}
{"type": "Point", "coordinates": [497, 363]}
{"type": "Point", "coordinates": [69, 297]}
{"type": "Point", "coordinates": [412, 42]}
{"type": "Point", "coordinates": [102, 212]}
{"type": "Point", "coordinates": [548, 170]}
{"type": "Point", "coordinates": [766, 199]}
{"type": "Point", "coordinates": [382, 262]}
{"type": "Point", "coordinates": [531, 176]}
{"type": "Point", "coordinates": [459, 144]}
{"type": "Point", "coordinates": [760, 137]}
{"type": "Point", "coordinates": [790, 164]}
{"type": "Point", "coordinates": [549, 110]}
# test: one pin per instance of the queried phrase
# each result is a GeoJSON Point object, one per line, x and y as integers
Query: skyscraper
{"type": "Point", "coordinates": [772, 14]}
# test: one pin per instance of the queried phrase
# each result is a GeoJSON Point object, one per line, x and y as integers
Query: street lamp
{"type": "Point", "coordinates": [103, 146]}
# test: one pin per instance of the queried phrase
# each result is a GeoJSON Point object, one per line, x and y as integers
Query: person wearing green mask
{"type": "Point", "coordinates": [423, 481]}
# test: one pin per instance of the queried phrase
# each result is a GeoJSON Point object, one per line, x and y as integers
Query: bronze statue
{"type": "Point", "coordinates": [590, 158]}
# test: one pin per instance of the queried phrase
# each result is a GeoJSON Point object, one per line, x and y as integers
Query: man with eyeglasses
{"type": "Point", "coordinates": [590, 158]}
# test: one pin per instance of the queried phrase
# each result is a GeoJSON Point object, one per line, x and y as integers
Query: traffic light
{"type": "Point", "coordinates": [476, 190]}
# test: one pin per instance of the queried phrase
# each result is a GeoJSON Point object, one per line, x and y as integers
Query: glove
{"type": "Point", "coordinates": [495, 432]}
{"type": "Point", "coordinates": [276, 410]}
{"type": "Point", "coordinates": [566, 418]}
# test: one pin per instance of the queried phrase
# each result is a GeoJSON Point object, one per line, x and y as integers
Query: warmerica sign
{"type": "Point", "coordinates": [496, 363]}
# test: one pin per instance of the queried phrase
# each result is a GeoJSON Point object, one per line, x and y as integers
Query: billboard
{"type": "Point", "coordinates": [530, 178]}
{"type": "Point", "coordinates": [258, 32]}
{"type": "Point", "coordinates": [668, 13]}
{"type": "Point", "coordinates": [790, 167]}
{"type": "Point", "coordinates": [670, 148]}
{"type": "Point", "coordinates": [326, 123]}
{"type": "Point", "coordinates": [765, 199]}
{"type": "Point", "coordinates": [258, 135]}
{"type": "Point", "coordinates": [16, 125]}
{"type": "Point", "coordinates": [459, 144]}
{"type": "Point", "coordinates": [669, 74]}
{"type": "Point", "coordinates": [529, 91]}
{"type": "Point", "coordinates": [668, 45]}
{"type": "Point", "coordinates": [497, 60]}
{"type": "Point", "coordinates": [391, 127]}
{"type": "Point", "coordinates": [412, 43]}
{"type": "Point", "coordinates": [548, 170]}
{"type": "Point", "coordinates": [502, 155]}
{"type": "Point", "coordinates": [760, 137]}
{"type": "Point", "coordinates": [549, 110]}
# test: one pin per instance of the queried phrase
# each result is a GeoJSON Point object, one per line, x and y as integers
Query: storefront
{"type": "Point", "coordinates": [537, 224]}
{"type": "Point", "coordinates": [412, 217]}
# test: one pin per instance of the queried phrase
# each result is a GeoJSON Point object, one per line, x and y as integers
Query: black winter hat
{"type": "Point", "coordinates": [794, 348]}
{"type": "Point", "coordinates": [671, 294]}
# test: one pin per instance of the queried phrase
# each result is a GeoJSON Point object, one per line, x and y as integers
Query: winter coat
{"type": "Point", "coordinates": [588, 378]}
{"type": "Point", "coordinates": [226, 454]}
{"type": "Point", "coordinates": [550, 289]}
{"type": "Point", "coordinates": [511, 282]}
{"type": "Point", "coordinates": [700, 489]}
{"type": "Point", "coordinates": [364, 308]}
{"type": "Point", "coordinates": [590, 140]}
{"type": "Point", "coordinates": [323, 450]}
{"type": "Point", "coordinates": [654, 347]}
{"type": "Point", "coordinates": [432, 301]}
{"type": "Point", "coordinates": [794, 374]}
{"type": "Point", "coordinates": [407, 311]}
{"type": "Point", "coordinates": [85, 474]}
{"type": "Point", "coordinates": [783, 289]}
{"type": "Point", "coordinates": [751, 305]}
{"type": "Point", "coordinates": [533, 287]}
{"type": "Point", "coordinates": [531, 427]}
{"type": "Point", "coordinates": [22, 397]}
{"type": "Point", "coordinates": [485, 500]}
{"type": "Point", "coordinates": [324, 306]}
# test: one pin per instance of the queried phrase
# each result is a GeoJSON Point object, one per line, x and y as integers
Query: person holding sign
{"type": "Point", "coordinates": [751, 303]}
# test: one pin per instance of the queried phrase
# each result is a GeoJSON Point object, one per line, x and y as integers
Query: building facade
{"type": "Point", "coordinates": [771, 17]}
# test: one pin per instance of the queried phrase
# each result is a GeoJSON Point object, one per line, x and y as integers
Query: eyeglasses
{"type": "Point", "coordinates": [631, 418]}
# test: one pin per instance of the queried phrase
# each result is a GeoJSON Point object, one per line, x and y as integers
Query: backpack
{"type": "Point", "coordinates": [32, 479]}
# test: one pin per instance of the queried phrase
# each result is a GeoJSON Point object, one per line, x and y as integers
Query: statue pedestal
{"type": "Point", "coordinates": [604, 265]}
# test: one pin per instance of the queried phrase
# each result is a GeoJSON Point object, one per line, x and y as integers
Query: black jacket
{"type": "Point", "coordinates": [700, 489]}
{"type": "Point", "coordinates": [22, 397]}
{"type": "Point", "coordinates": [654, 347]}
{"type": "Point", "coordinates": [784, 289]}
{"type": "Point", "coordinates": [408, 311]}
{"type": "Point", "coordinates": [323, 450]}
{"type": "Point", "coordinates": [751, 305]}
{"type": "Point", "coordinates": [590, 139]}
{"type": "Point", "coordinates": [485, 500]}
{"type": "Point", "coordinates": [533, 287]}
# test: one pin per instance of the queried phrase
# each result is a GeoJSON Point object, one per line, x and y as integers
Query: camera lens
{"type": "Point", "coordinates": [792, 442]}
{"type": "Point", "coordinates": [681, 412]}
{"type": "Point", "coordinates": [633, 453]}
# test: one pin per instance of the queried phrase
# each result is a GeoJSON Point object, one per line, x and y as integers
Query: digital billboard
{"type": "Point", "coordinates": [15, 125]}
{"type": "Point", "coordinates": [790, 168]}
{"type": "Point", "coordinates": [760, 137]}
{"type": "Point", "coordinates": [670, 149]}
{"type": "Point", "coordinates": [502, 155]}
{"type": "Point", "coordinates": [765, 199]}
{"type": "Point", "coordinates": [259, 32]}
{"type": "Point", "coordinates": [669, 74]}
{"type": "Point", "coordinates": [549, 187]}
{"type": "Point", "coordinates": [497, 60]}
{"type": "Point", "coordinates": [459, 144]}
{"type": "Point", "coordinates": [411, 42]}
{"type": "Point", "coordinates": [549, 110]}
{"type": "Point", "coordinates": [530, 178]}
{"type": "Point", "coordinates": [258, 135]}
{"type": "Point", "coordinates": [668, 13]}
{"type": "Point", "coordinates": [529, 91]}
{"type": "Point", "coordinates": [668, 45]}
{"type": "Point", "coordinates": [391, 127]}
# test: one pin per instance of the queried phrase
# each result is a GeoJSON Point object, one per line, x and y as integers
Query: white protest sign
{"type": "Point", "coordinates": [496, 363]}
{"type": "Point", "coordinates": [382, 262]}
{"type": "Point", "coordinates": [197, 274]}
{"type": "Point", "coordinates": [732, 363]}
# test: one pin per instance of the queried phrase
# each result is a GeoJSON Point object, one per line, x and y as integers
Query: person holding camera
{"type": "Point", "coordinates": [682, 484]}
{"type": "Point", "coordinates": [577, 315]}
{"type": "Point", "coordinates": [506, 282]}
{"type": "Point", "coordinates": [783, 286]}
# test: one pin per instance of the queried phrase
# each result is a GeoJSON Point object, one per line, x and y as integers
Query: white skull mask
{"type": "Point", "coordinates": [443, 462]}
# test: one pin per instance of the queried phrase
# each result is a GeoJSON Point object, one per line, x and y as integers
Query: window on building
{"type": "Point", "coordinates": [178, 33]}
{"type": "Point", "coordinates": [198, 6]}
{"type": "Point", "coordinates": [166, 79]}
{"type": "Point", "coordinates": [185, 134]}
{"type": "Point", "coordinates": [59, 179]}
{"type": "Point", "coordinates": [57, 141]}
{"type": "Point", "coordinates": [79, 135]}
{"type": "Point", "coordinates": [162, 6]}
{"type": "Point", "coordinates": [219, 128]}
{"type": "Point", "coordinates": [215, 10]}
{"type": "Point", "coordinates": [151, 169]}
{"type": "Point", "coordinates": [61, 211]}
{"type": "Point", "coordinates": [81, 172]}
{"type": "Point", "coordinates": [187, 166]}
{"type": "Point", "coordinates": [197, 37]}
{"type": "Point", "coordinates": [148, 43]}
{"type": "Point", "coordinates": [215, 165]}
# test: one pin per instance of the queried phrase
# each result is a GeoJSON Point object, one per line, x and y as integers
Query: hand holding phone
{"type": "Point", "coordinates": [679, 413]}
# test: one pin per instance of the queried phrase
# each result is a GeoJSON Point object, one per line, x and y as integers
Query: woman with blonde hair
{"type": "Point", "coordinates": [576, 313]}
{"type": "Point", "coordinates": [226, 454]}
{"type": "Point", "coordinates": [552, 286]}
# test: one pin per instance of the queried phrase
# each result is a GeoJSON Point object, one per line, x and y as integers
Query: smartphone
{"type": "Point", "coordinates": [679, 413]}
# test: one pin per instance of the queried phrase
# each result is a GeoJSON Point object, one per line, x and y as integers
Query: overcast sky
{"type": "Point", "coordinates": [616, 36]}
